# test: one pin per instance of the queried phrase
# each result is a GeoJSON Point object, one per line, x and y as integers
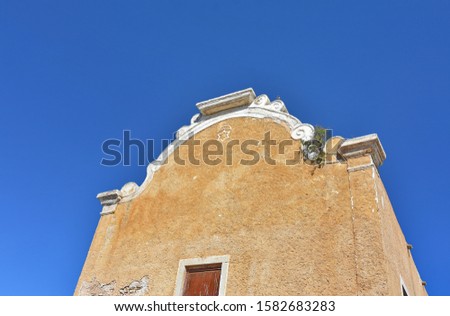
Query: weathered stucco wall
{"type": "Point", "coordinates": [400, 264]}
{"type": "Point", "coordinates": [288, 230]}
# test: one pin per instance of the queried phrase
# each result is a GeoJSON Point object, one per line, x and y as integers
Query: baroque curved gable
{"type": "Point", "coordinates": [238, 104]}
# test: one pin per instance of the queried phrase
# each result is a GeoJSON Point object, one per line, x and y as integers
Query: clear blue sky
{"type": "Point", "coordinates": [74, 73]}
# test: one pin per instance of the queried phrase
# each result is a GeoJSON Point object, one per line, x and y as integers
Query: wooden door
{"type": "Point", "coordinates": [202, 280]}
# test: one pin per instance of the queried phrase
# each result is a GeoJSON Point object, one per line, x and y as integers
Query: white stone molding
{"type": "Point", "coordinates": [109, 200]}
{"type": "Point", "coordinates": [261, 100]}
{"type": "Point", "coordinates": [225, 102]}
{"type": "Point", "coordinates": [196, 118]}
{"type": "Point", "coordinates": [362, 167]}
{"type": "Point", "coordinates": [109, 197]}
{"type": "Point", "coordinates": [128, 191]}
{"type": "Point", "coordinates": [278, 105]}
{"type": "Point", "coordinates": [360, 146]}
{"type": "Point", "coordinates": [181, 131]}
{"type": "Point", "coordinates": [128, 188]}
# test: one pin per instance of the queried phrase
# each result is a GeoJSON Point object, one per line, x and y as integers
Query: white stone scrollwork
{"type": "Point", "coordinates": [261, 100]}
{"type": "Point", "coordinates": [278, 105]}
{"type": "Point", "coordinates": [304, 132]}
{"type": "Point", "coordinates": [196, 118]}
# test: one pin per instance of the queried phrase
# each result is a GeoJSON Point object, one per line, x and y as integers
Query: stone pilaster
{"type": "Point", "coordinates": [363, 156]}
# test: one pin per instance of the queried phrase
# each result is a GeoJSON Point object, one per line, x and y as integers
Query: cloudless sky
{"type": "Point", "coordinates": [75, 73]}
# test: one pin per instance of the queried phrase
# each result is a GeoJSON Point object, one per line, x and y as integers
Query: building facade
{"type": "Point", "coordinates": [247, 200]}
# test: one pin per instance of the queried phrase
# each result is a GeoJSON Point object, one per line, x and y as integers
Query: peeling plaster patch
{"type": "Point", "coordinates": [136, 288]}
{"type": "Point", "coordinates": [95, 288]}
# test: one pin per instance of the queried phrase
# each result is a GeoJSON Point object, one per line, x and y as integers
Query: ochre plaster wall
{"type": "Point", "coordinates": [399, 260]}
{"type": "Point", "coordinates": [289, 230]}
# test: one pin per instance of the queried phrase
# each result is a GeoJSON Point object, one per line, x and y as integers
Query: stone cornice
{"type": "Point", "coordinates": [225, 102]}
{"type": "Point", "coordinates": [361, 146]}
{"type": "Point", "coordinates": [109, 201]}
{"type": "Point", "coordinates": [109, 197]}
